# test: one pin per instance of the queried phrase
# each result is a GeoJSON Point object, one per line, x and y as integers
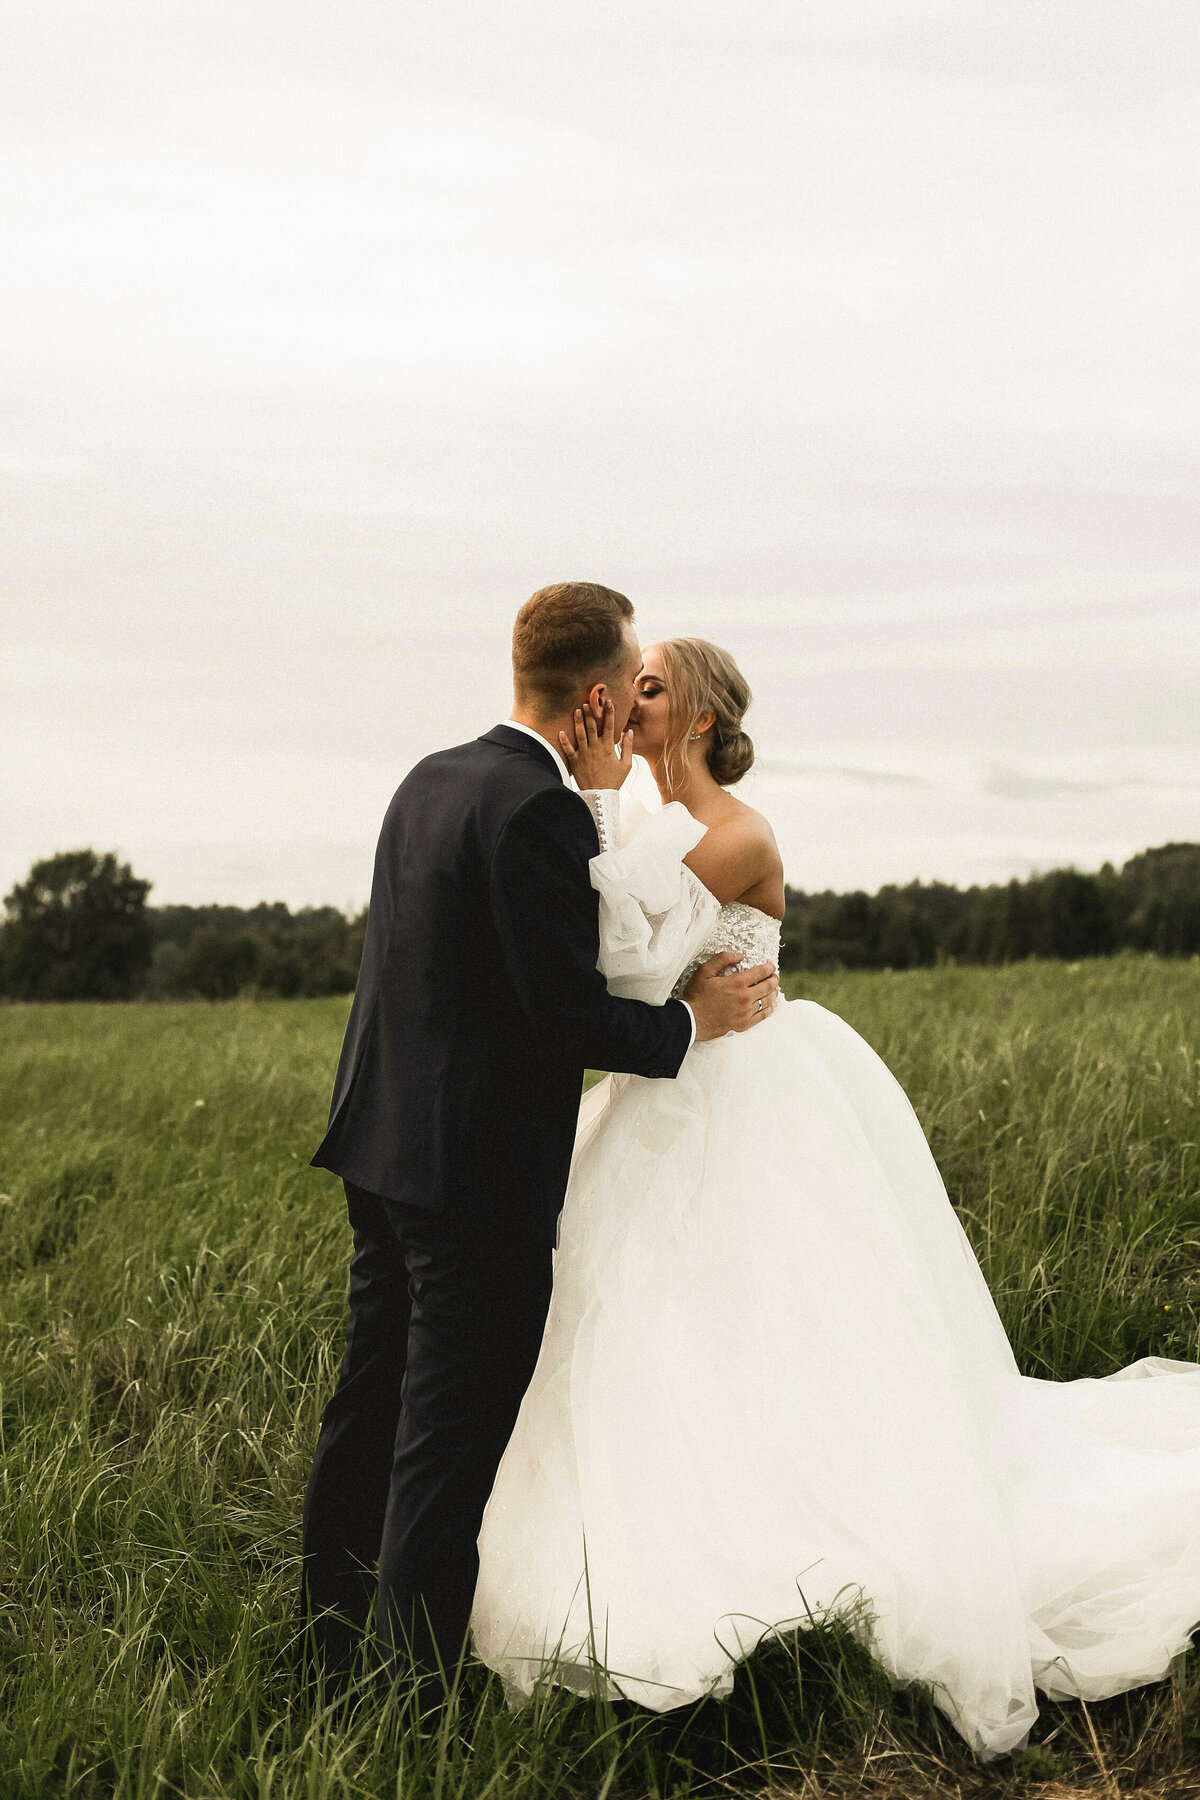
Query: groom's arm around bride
{"type": "Point", "coordinates": [478, 1006]}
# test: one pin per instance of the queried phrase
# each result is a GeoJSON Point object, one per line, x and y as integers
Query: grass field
{"type": "Point", "coordinates": [172, 1278]}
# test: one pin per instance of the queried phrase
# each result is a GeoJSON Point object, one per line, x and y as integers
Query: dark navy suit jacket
{"type": "Point", "coordinates": [479, 1004]}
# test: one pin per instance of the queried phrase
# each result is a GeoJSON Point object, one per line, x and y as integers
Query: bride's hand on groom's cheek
{"type": "Point", "coordinates": [592, 757]}
{"type": "Point", "coordinates": [723, 1003]}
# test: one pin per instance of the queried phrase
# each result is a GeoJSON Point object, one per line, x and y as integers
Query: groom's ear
{"type": "Point", "coordinates": [597, 695]}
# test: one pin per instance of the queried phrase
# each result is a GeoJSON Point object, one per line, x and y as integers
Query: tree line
{"type": "Point", "coordinates": [1150, 904]}
{"type": "Point", "coordinates": [79, 928]}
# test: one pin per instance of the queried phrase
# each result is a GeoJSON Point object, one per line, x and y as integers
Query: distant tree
{"type": "Point", "coordinates": [1158, 900]}
{"type": "Point", "coordinates": [940, 905]}
{"type": "Point", "coordinates": [1072, 917]}
{"type": "Point", "coordinates": [219, 952]}
{"type": "Point", "coordinates": [215, 966]}
{"type": "Point", "coordinates": [906, 938]}
{"type": "Point", "coordinates": [997, 926]}
{"type": "Point", "coordinates": [75, 929]}
{"type": "Point", "coordinates": [326, 948]}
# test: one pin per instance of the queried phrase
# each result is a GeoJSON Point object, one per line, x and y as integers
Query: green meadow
{"type": "Point", "coordinates": [172, 1278]}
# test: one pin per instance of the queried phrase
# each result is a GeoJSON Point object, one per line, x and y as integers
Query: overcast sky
{"type": "Point", "coordinates": [859, 337]}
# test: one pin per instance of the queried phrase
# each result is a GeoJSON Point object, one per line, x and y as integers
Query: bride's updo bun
{"type": "Point", "coordinates": [730, 758]}
{"type": "Point", "coordinates": [701, 677]}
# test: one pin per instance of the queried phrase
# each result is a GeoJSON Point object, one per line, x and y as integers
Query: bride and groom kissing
{"type": "Point", "coordinates": [631, 1383]}
{"type": "Point", "coordinates": [478, 1008]}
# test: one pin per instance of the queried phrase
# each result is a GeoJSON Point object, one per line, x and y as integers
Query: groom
{"type": "Point", "coordinates": [477, 1010]}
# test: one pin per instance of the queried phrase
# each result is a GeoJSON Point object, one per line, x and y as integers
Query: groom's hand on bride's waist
{"type": "Point", "coordinates": [724, 1002]}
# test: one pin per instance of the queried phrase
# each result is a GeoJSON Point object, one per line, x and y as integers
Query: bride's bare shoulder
{"type": "Point", "coordinates": [741, 824]}
{"type": "Point", "coordinates": [752, 820]}
{"type": "Point", "coordinates": [738, 857]}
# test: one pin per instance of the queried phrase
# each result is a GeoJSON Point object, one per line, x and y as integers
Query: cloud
{"type": "Point", "coordinates": [796, 769]}
{"type": "Point", "coordinates": [1018, 784]}
{"type": "Point", "coordinates": [1007, 783]}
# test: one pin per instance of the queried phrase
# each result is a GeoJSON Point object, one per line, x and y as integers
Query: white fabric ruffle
{"type": "Point", "coordinates": [654, 913]}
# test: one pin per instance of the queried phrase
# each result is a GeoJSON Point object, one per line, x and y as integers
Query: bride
{"type": "Point", "coordinates": [773, 1383]}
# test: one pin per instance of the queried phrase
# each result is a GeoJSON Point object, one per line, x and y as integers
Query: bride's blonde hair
{"type": "Point", "coordinates": [701, 677]}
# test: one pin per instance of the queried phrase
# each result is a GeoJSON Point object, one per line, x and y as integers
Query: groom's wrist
{"type": "Point", "coordinates": [692, 1019]}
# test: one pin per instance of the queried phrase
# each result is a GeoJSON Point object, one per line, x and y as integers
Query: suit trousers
{"type": "Point", "coordinates": [446, 1320]}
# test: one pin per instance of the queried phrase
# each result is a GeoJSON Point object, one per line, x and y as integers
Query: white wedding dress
{"type": "Point", "coordinates": [773, 1384]}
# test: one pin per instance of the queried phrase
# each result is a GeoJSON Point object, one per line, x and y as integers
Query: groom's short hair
{"type": "Point", "coordinates": [562, 635]}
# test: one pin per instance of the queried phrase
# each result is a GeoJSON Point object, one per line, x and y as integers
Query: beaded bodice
{"type": "Point", "coordinates": [753, 933]}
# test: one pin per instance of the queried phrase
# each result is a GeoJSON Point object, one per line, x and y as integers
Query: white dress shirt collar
{"type": "Point", "coordinates": [516, 725]}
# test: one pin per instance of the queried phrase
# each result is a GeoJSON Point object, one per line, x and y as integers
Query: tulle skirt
{"type": "Point", "coordinates": [774, 1386]}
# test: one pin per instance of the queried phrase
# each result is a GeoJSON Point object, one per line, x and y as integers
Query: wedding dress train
{"type": "Point", "coordinates": [773, 1383]}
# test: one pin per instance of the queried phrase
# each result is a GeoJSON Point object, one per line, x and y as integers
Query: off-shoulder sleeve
{"type": "Point", "coordinates": [546, 916]}
{"type": "Point", "coordinates": [655, 914]}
